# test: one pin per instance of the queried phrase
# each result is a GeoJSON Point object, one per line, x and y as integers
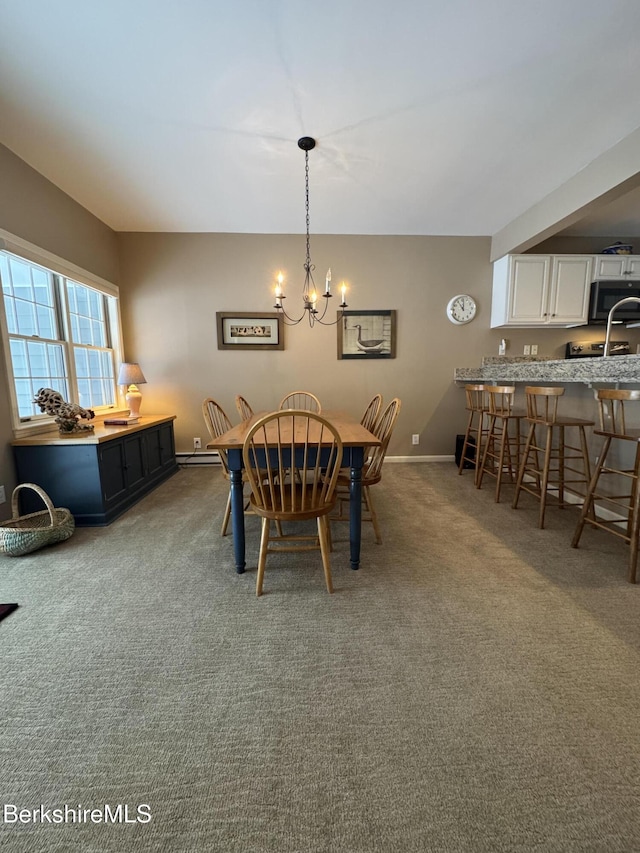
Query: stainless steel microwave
{"type": "Point", "coordinates": [605, 294]}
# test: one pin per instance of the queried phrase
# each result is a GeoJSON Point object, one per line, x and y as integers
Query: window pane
{"type": "Point", "coordinates": [21, 278]}
{"type": "Point", "coordinates": [26, 318]}
{"type": "Point", "coordinates": [56, 361]}
{"type": "Point", "coordinates": [19, 358]}
{"type": "Point", "coordinates": [94, 363]}
{"type": "Point", "coordinates": [38, 362]}
{"type": "Point", "coordinates": [87, 315]}
{"type": "Point", "coordinates": [45, 366]}
{"type": "Point", "coordinates": [82, 297]}
{"type": "Point", "coordinates": [4, 274]}
{"type": "Point", "coordinates": [46, 322]}
{"type": "Point", "coordinates": [94, 369]}
{"type": "Point", "coordinates": [84, 392]}
{"type": "Point", "coordinates": [10, 313]}
{"type": "Point", "coordinates": [84, 331]}
{"type": "Point", "coordinates": [82, 363]}
{"type": "Point", "coordinates": [25, 396]}
{"type": "Point", "coordinates": [42, 286]}
{"type": "Point", "coordinates": [98, 333]}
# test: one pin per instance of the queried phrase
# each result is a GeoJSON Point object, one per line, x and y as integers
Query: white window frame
{"type": "Point", "coordinates": [59, 266]}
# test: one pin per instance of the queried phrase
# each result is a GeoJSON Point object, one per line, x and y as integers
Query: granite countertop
{"type": "Point", "coordinates": [610, 370]}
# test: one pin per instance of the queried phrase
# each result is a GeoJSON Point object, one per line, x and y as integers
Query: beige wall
{"type": "Point", "coordinates": [32, 208]}
{"type": "Point", "coordinates": [173, 284]}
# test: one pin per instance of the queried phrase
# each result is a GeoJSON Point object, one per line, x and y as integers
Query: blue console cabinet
{"type": "Point", "coordinates": [100, 476]}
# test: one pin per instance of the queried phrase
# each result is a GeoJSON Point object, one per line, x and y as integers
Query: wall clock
{"type": "Point", "coordinates": [461, 309]}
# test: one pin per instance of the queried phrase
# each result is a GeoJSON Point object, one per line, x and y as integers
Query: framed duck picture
{"type": "Point", "coordinates": [367, 334]}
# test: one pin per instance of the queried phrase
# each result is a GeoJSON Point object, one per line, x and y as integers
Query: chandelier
{"type": "Point", "coordinates": [309, 292]}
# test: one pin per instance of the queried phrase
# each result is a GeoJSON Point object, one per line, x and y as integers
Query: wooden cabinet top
{"type": "Point", "coordinates": [102, 432]}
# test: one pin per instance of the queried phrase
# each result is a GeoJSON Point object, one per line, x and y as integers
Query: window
{"type": "Point", "coordinates": [62, 334]}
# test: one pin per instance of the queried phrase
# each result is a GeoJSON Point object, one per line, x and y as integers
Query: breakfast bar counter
{"type": "Point", "coordinates": [500, 369]}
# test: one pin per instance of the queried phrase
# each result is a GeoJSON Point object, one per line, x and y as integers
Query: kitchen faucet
{"type": "Point", "coordinates": [610, 318]}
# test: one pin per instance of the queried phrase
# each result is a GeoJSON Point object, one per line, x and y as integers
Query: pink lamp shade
{"type": "Point", "coordinates": [132, 376]}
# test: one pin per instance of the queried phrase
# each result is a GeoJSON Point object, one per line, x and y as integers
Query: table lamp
{"type": "Point", "coordinates": [132, 376]}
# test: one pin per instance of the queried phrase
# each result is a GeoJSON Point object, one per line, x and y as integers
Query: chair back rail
{"type": "Point", "coordinates": [244, 409]}
{"type": "Point", "coordinates": [611, 408]}
{"type": "Point", "coordinates": [501, 399]}
{"type": "Point", "coordinates": [542, 403]}
{"type": "Point", "coordinates": [372, 412]}
{"type": "Point", "coordinates": [476, 398]}
{"type": "Point", "coordinates": [217, 422]}
{"type": "Point", "coordinates": [302, 401]}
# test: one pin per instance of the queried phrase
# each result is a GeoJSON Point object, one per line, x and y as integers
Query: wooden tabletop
{"type": "Point", "coordinates": [351, 431]}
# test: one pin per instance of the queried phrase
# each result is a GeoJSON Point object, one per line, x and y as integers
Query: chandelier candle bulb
{"type": "Point", "coordinates": [327, 288]}
{"type": "Point", "coordinates": [343, 289]}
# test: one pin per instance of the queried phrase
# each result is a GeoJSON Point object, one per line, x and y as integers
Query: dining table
{"type": "Point", "coordinates": [355, 442]}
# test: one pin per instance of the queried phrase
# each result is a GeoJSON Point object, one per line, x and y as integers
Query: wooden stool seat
{"type": "Point", "coordinates": [501, 453]}
{"type": "Point", "coordinates": [557, 472]}
{"type": "Point", "coordinates": [618, 514]}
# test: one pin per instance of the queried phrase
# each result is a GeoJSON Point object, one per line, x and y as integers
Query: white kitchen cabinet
{"type": "Point", "coordinates": [614, 267]}
{"type": "Point", "coordinates": [541, 290]}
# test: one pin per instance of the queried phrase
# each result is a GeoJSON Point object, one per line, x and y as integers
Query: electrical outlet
{"type": "Point", "coordinates": [534, 349]}
{"type": "Point", "coordinates": [526, 350]}
{"type": "Point", "coordinates": [197, 443]}
{"type": "Point", "coordinates": [415, 438]}
{"type": "Point", "coordinates": [3, 497]}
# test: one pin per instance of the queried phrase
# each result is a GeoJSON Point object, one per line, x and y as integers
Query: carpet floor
{"type": "Point", "coordinates": [474, 687]}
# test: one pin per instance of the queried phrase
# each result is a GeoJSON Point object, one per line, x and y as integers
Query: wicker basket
{"type": "Point", "coordinates": [26, 533]}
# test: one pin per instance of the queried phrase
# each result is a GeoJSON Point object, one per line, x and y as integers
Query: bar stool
{"type": "Point", "coordinates": [477, 428]}
{"type": "Point", "coordinates": [501, 453]}
{"type": "Point", "coordinates": [613, 428]}
{"type": "Point", "coordinates": [539, 481]}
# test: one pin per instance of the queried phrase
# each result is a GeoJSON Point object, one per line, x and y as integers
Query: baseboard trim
{"type": "Point", "coordinates": [209, 457]}
{"type": "Point", "coordinates": [394, 459]}
{"type": "Point", "coordinates": [212, 458]}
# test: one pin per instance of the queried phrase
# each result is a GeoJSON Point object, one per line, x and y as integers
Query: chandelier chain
{"type": "Point", "coordinates": [309, 294]}
{"type": "Point", "coordinates": [306, 207]}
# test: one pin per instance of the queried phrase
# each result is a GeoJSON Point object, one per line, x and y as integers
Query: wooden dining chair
{"type": "Point", "coordinates": [301, 400]}
{"type": "Point", "coordinates": [308, 493]}
{"type": "Point", "coordinates": [371, 471]}
{"type": "Point", "coordinates": [244, 409]}
{"type": "Point", "coordinates": [218, 422]}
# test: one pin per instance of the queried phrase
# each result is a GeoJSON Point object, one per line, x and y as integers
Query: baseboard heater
{"type": "Point", "coordinates": [209, 457]}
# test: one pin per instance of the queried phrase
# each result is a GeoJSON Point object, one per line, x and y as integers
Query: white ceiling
{"type": "Point", "coordinates": [444, 118]}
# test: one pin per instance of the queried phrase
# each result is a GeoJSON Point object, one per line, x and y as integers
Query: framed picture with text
{"type": "Point", "coordinates": [248, 330]}
{"type": "Point", "coordinates": [367, 334]}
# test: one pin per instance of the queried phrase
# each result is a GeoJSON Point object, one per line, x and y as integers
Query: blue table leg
{"type": "Point", "coordinates": [355, 509]}
{"type": "Point", "coordinates": [237, 518]}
